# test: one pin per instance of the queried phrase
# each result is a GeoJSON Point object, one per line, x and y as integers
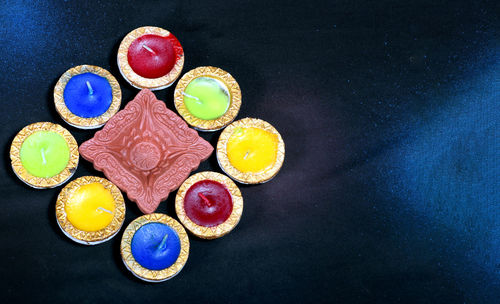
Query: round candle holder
{"type": "Point", "coordinates": [137, 269]}
{"type": "Point", "coordinates": [234, 98]}
{"type": "Point", "coordinates": [139, 81]}
{"type": "Point", "coordinates": [221, 229]}
{"type": "Point", "coordinates": [41, 182]}
{"type": "Point", "coordinates": [90, 237]}
{"type": "Point", "coordinates": [83, 122]}
{"type": "Point", "coordinates": [249, 177]}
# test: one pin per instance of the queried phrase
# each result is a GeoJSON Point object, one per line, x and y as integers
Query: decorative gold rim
{"type": "Point", "coordinates": [248, 177]}
{"type": "Point", "coordinates": [40, 182]}
{"type": "Point", "coordinates": [81, 122]}
{"type": "Point", "coordinates": [148, 274]}
{"type": "Point", "coordinates": [138, 81]}
{"type": "Point", "coordinates": [90, 237]}
{"type": "Point", "coordinates": [224, 77]}
{"type": "Point", "coordinates": [221, 229]}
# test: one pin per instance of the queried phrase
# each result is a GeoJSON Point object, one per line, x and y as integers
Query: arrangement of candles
{"type": "Point", "coordinates": [148, 151]}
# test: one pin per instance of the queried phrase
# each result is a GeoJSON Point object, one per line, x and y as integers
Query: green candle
{"type": "Point", "coordinates": [44, 154]}
{"type": "Point", "coordinates": [206, 98]}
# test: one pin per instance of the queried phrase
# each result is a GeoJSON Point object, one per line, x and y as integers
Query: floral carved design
{"type": "Point", "coordinates": [146, 150]}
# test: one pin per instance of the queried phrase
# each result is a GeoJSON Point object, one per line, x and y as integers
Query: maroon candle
{"type": "Point", "coordinates": [208, 203]}
{"type": "Point", "coordinates": [151, 56]}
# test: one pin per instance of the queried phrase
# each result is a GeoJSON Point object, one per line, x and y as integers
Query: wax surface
{"type": "Point", "coordinates": [90, 207]}
{"type": "Point", "coordinates": [88, 102]}
{"type": "Point", "coordinates": [44, 154]}
{"type": "Point", "coordinates": [206, 98]}
{"type": "Point", "coordinates": [156, 246]}
{"type": "Point", "coordinates": [151, 56]}
{"type": "Point", "coordinates": [208, 203]}
{"type": "Point", "coordinates": [252, 149]}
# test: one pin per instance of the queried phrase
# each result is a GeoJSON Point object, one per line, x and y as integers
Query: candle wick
{"type": "Point", "coordinates": [91, 91]}
{"type": "Point", "coordinates": [205, 199]}
{"type": "Point", "coordinates": [246, 155]}
{"type": "Point", "coordinates": [194, 97]}
{"type": "Point", "coordinates": [149, 49]}
{"type": "Point", "coordinates": [44, 161]}
{"type": "Point", "coordinates": [105, 210]}
{"type": "Point", "coordinates": [163, 243]}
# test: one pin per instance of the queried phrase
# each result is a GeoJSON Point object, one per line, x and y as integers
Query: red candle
{"type": "Point", "coordinates": [208, 203]}
{"type": "Point", "coordinates": [152, 56]}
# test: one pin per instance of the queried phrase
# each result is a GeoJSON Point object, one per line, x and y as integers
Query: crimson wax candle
{"type": "Point", "coordinates": [150, 57]}
{"type": "Point", "coordinates": [209, 204]}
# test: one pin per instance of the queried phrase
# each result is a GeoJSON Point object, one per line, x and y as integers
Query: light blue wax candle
{"type": "Point", "coordinates": [88, 95]}
{"type": "Point", "coordinates": [155, 246]}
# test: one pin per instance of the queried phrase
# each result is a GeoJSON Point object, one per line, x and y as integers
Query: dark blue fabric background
{"type": "Point", "coordinates": [390, 115]}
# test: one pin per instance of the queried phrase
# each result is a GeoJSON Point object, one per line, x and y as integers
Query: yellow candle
{"type": "Point", "coordinates": [90, 207]}
{"type": "Point", "coordinates": [252, 149]}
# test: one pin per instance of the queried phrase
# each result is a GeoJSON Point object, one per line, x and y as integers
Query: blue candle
{"type": "Point", "coordinates": [88, 95]}
{"type": "Point", "coordinates": [155, 246]}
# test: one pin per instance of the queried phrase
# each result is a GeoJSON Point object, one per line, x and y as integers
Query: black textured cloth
{"type": "Point", "coordinates": [389, 189]}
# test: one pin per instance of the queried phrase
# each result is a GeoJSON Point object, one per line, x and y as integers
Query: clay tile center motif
{"type": "Point", "coordinates": [146, 150]}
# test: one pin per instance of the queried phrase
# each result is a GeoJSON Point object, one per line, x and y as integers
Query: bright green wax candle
{"type": "Point", "coordinates": [206, 98]}
{"type": "Point", "coordinates": [44, 154]}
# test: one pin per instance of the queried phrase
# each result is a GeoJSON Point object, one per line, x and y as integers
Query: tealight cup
{"type": "Point", "coordinates": [90, 210]}
{"type": "Point", "coordinates": [150, 58]}
{"type": "Point", "coordinates": [44, 155]}
{"type": "Point", "coordinates": [209, 204]}
{"type": "Point", "coordinates": [154, 247]}
{"type": "Point", "coordinates": [208, 98]}
{"type": "Point", "coordinates": [250, 151]}
{"type": "Point", "coordinates": [87, 96]}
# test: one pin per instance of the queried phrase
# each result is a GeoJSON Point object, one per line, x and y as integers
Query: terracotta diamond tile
{"type": "Point", "coordinates": [146, 150]}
